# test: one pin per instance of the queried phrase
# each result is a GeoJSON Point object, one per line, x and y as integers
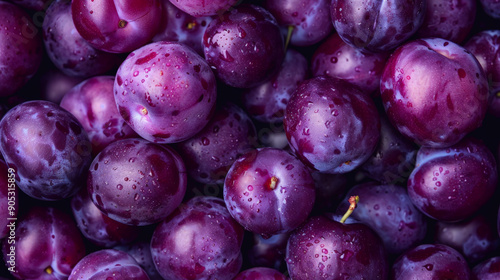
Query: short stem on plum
{"type": "Point", "coordinates": [191, 25]}
{"type": "Point", "coordinates": [288, 36]}
{"type": "Point", "coordinates": [498, 94]}
{"type": "Point", "coordinates": [49, 270]}
{"type": "Point", "coordinates": [273, 182]}
{"type": "Point", "coordinates": [353, 201]}
{"type": "Point", "coordinates": [122, 23]}
{"type": "Point", "coordinates": [144, 111]}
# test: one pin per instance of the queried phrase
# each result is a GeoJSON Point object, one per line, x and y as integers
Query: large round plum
{"type": "Point", "coordinates": [331, 125]}
{"type": "Point", "coordinates": [434, 91]}
{"type": "Point", "coordinates": [47, 147]}
{"type": "Point", "coordinates": [137, 182]}
{"type": "Point", "coordinates": [165, 91]}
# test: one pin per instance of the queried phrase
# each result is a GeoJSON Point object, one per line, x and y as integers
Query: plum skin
{"type": "Point", "coordinates": [165, 91]}
{"type": "Point", "coordinates": [434, 92]}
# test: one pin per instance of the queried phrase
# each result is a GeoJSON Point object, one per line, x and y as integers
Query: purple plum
{"type": "Point", "coordinates": [201, 8]}
{"type": "Point", "coordinates": [140, 250]}
{"type": "Point", "coordinates": [487, 270]}
{"type": "Point", "coordinates": [491, 8]}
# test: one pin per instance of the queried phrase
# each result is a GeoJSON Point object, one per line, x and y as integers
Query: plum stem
{"type": "Point", "coordinates": [122, 23]}
{"type": "Point", "coordinates": [49, 270]}
{"type": "Point", "coordinates": [288, 36]}
{"type": "Point", "coordinates": [273, 183]}
{"type": "Point", "coordinates": [191, 25]}
{"type": "Point", "coordinates": [353, 201]}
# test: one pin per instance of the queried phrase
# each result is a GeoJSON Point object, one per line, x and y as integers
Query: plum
{"type": "Point", "coordinates": [434, 92]}
{"type": "Point", "coordinates": [136, 182]}
{"type": "Point", "coordinates": [491, 8]}
{"type": "Point", "coordinates": [200, 8]}
{"type": "Point", "coordinates": [116, 26]}
{"type": "Point", "coordinates": [487, 270]}
{"type": "Point", "coordinates": [92, 102]}
{"type": "Point", "coordinates": [331, 125]}
{"type": "Point", "coordinates": [140, 250]}
{"type": "Point", "coordinates": [244, 46]}
{"type": "Point", "coordinates": [21, 47]}
{"type": "Point", "coordinates": [47, 147]}
{"type": "Point", "coordinates": [165, 91]}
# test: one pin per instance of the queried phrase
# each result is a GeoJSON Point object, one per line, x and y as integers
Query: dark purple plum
{"type": "Point", "coordinates": [54, 84]}
{"type": "Point", "coordinates": [325, 249]}
{"type": "Point", "coordinates": [451, 184]}
{"type": "Point", "coordinates": [269, 191]}
{"type": "Point", "coordinates": [200, 240]}
{"type": "Point", "coordinates": [201, 8]}
{"type": "Point", "coordinates": [21, 47]}
{"type": "Point", "coordinates": [310, 19]}
{"type": "Point", "coordinates": [434, 92]}
{"type": "Point", "coordinates": [491, 7]}
{"type": "Point", "coordinates": [475, 238]}
{"type": "Point", "coordinates": [116, 26]}
{"type": "Point", "coordinates": [267, 252]}
{"type": "Point", "coordinates": [47, 245]}
{"type": "Point", "coordinates": [210, 153]}
{"type": "Point", "coordinates": [388, 210]}
{"type": "Point", "coordinates": [65, 47]}
{"type": "Point", "coordinates": [165, 91]}
{"type": "Point", "coordinates": [430, 261]}
{"type": "Point", "coordinates": [244, 46]}
{"type": "Point", "coordinates": [331, 125]}
{"type": "Point", "coordinates": [487, 270]}
{"type": "Point", "coordinates": [9, 204]}
{"type": "Point", "coordinates": [178, 26]}
{"type": "Point", "coordinates": [375, 25]}
{"type": "Point", "coordinates": [485, 46]}
{"type": "Point", "coordinates": [394, 159]}
{"type": "Point", "coordinates": [260, 273]}
{"type": "Point", "coordinates": [47, 147]}
{"type": "Point", "coordinates": [92, 102]}
{"type": "Point", "coordinates": [337, 59]}
{"type": "Point", "coordinates": [140, 250]}
{"type": "Point", "coordinates": [267, 102]}
{"type": "Point", "coordinates": [97, 227]}
{"type": "Point", "coordinates": [137, 182]}
{"type": "Point", "coordinates": [108, 264]}
{"type": "Point", "coordinates": [36, 5]}
{"type": "Point", "coordinates": [450, 20]}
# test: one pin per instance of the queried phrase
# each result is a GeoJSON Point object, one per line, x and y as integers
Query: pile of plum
{"type": "Point", "coordinates": [250, 139]}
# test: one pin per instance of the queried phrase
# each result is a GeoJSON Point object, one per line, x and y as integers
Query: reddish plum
{"type": "Point", "coordinates": [325, 249]}
{"type": "Point", "coordinates": [137, 182]}
{"type": "Point", "coordinates": [269, 191]}
{"type": "Point", "coordinates": [96, 226]}
{"type": "Point", "coordinates": [116, 26]}
{"type": "Point", "coordinates": [337, 59]}
{"type": "Point", "coordinates": [47, 147]}
{"type": "Point", "coordinates": [434, 91]}
{"type": "Point", "coordinates": [92, 102]}
{"type": "Point", "coordinates": [21, 48]}
{"type": "Point", "coordinates": [430, 261]}
{"type": "Point", "coordinates": [310, 19]}
{"type": "Point", "coordinates": [487, 270]}
{"type": "Point", "coordinates": [67, 49]}
{"type": "Point", "coordinates": [200, 8]}
{"type": "Point", "coordinates": [47, 245]}
{"type": "Point", "coordinates": [108, 264]}
{"type": "Point", "coordinates": [200, 240]}
{"type": "Point", "coordinates": [331, 125]}
{"type": "Point", "coordinates": [451, 184]}
{"type": "Point", "coordinates": [209, 154]}
{"type": "Point", "coordinates": [267, 102]}
{"type": "Point", "coordinates": [244, 46]}
{"type": "Point", "coordinates": [260, 273]}
{"type": "Point", "coordinates": [165, 91]}
{"type": "Point", "coordinates": [377, 25]}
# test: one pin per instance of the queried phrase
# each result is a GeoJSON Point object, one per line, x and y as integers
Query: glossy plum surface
{"type": "Point", "coordinates": [377, 26]}
{"type": "Point", "coordinates": [210, 153]}
{"type": "Point", "coordinates": [92, 102]}
{"type": "Point", "coordinates": [67, 49]}
{"type": "Point", "coordinates": [450, 184]}
{"type": "Point", "coordinates": [244, 46]}
{"type": "Point", "coordinates": [21, 48]}
{"type": "Point", "coordinates": [260, 273]}
{"type": "Point", "coordinates": [325, 249]}
{"type": "Point", "coordinates": [434, 92]}
{"type": "Point", "coordinates": [267, 102]}
{"type": "Point", "coordinates": [310, 19]}
{"type": "Point", "coordinates": [487, 270]}
{"type": "Point", "coordinates": [140, 250]}
{"type": "Point", "coordinates": [388, 210]}
{"type": "Point", "coordinates": [47, 245]}
{"type": "Point", "coordinates": [108, 264]}
{"type": "Point", "coordinates": [269, 191]}
{"type": "Point", "coordinates": [116, 26]}
{"type": "Point", "coordinates": [97, 227]}
{"type": "Point", "coordinates": [337, 59]}
{"type": "Point", "coordinates": [137, 182]}
{"type": "Point", "coordinates": [199, 241]}
{"type": "Point", "coordinates": [450, 20]}
{"type": "Point", "coordinates": [331, 125]}
{"type": "Point", "coordinates": [165, 91]}
{"type": "Point", "coordinates": [431, 261]}
{"type": "Point", "coordinates": [47, 147]}
{"type": "Point", "coordinates": [200, 8]}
